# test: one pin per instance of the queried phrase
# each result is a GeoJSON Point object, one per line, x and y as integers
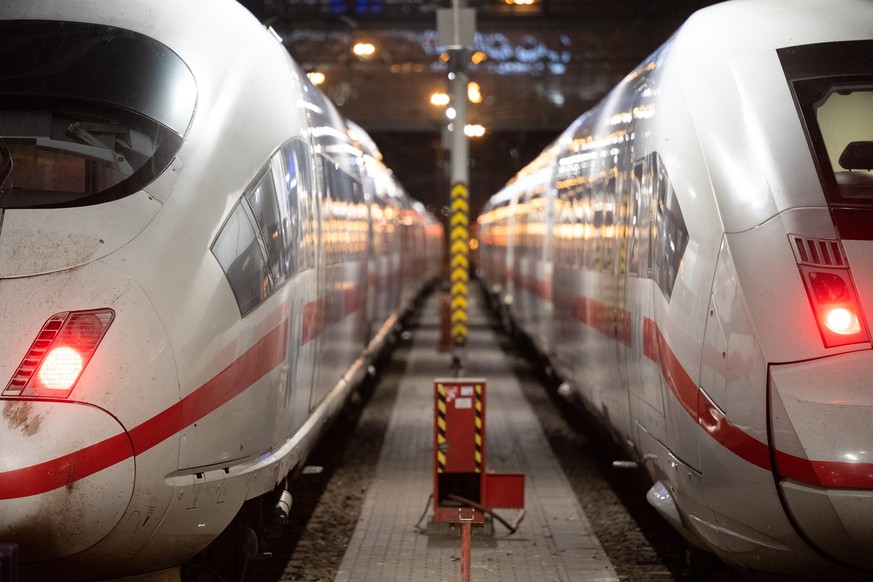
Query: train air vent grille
{"type": "Point", "coordinates": [816, 251]}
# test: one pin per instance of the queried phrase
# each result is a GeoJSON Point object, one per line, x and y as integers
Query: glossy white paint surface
{"type": "Point", "coordinates": [710, 379]}
{"type": "Point", "coordinates": [194, 408]}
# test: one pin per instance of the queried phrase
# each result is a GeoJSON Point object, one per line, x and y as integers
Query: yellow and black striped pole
{"type": "Point", "coordinates": [461, 38]}
{"type": "Point", "coordinates": [442, 443]}
{"type": "Point", "coordinates": [479, 429]}
{"type": "Point", "coordinates": [459, 246]}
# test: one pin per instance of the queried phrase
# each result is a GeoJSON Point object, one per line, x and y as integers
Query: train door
{"type": "Point", "coordinates": [530, 266]}
{"type": "Point", "coordinates": [640, 358]}
{"type": "Point", "coordinates": [314, 316]}
{"type": "Point", "coordinates": [546, 314]}
{"type": "Point", "coordinates": [521, 258]}
{"type": "Point", "coordinates": [508, 266]}
{"type": "Point", "coordinates": [614, 268]}
{"type": "Point", "coordinates": [668, 242]}
{"type": "Point", "coordinates": [327, 340]}
{"type": "Point", "coordinates": [341, 278]}
{"type": "Point", "coordinates": [298, 178]}
{"type": "Point", "coordinates": [660, 410]}
{"type": "Point", "coordinates": [641, 362]}
{"type": "Point", "coordinates": [567, 262]}
{"type": "Point", "coordinates": [374, 216]}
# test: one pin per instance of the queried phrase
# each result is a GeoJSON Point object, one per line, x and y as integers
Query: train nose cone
{"type": "Point", "coordinates": [822, 435]}
{"type": "Point", "coordinates": [66, 476]}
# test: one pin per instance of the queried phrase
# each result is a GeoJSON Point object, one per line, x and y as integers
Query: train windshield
{"type": "Point", "coordinates": [833, 88]}
{"type": "Point", "coordinates": [844, 116]}
{"type": "Point", "coordinates": [88, 113]}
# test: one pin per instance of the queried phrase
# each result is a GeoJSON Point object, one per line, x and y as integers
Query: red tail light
{"type": "Point", "coordinates": [60, 353]}
{"type": "Point", "coordinates": [831, 293]}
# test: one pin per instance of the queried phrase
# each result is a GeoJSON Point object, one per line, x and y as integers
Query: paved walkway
{"type": "Point", "coordinates": [554, 542]}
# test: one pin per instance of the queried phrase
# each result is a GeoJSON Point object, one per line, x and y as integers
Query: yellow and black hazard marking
{"type": "Point", "coordinates": [459, 249]}
{"type": "Point", "coordinates": [479, 429]}
{"type": "Point", "coordinates": [441, 429]}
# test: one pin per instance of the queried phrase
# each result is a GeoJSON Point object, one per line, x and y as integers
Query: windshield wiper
{"type": "Point", "coordinates": [79, 131]}
{"type": "Point", "coordinates": [5, 163]}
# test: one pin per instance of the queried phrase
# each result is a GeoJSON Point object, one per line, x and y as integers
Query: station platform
{"type": "Point", "coordinates": [554, 542]}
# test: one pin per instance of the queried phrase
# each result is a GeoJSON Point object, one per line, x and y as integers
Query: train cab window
{"type": "Point", "coordinates": [81, 125]}
{"type": "Point", "coordinates": [259, 245]}
{"type": "Point", "coordinates": [832, 87]}
{"type": "Point", "coordinates": [243, 257]}
{"type": "Point", "coordinates": [845, 118]}
{"type": "Point", "coordinates": [264, 202]}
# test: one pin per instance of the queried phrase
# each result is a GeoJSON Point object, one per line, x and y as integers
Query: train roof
{"type": "Point", "coordinates": [195, 29]}
{"type": "Point", "coordinates": [732, 29]}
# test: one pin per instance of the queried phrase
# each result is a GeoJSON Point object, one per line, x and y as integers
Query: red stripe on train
{"type": "Point", "coordinates": [695, 402]}
{"type": "Point", "coordinates": [256, 362]}
{"type": "Point", "coordinates": [320, 314]}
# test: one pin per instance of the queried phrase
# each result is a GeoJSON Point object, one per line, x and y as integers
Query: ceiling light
{"type": "Point", "coordinates": [474, 92]}
{"type": "Point", "coordinates": [364, 49]}
{"type": "Point", "coordinates": [439, 99]}
{"type": "Point", "coordinates": [474, 130]}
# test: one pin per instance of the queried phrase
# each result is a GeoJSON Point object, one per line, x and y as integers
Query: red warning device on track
{"type": "Point", "coordinates": [459, 454]}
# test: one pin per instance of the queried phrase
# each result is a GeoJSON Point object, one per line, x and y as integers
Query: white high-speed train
{"type": "Point", "coordinates": [695, 257]}
{"type": "Point", "coordinates": [199, 260]}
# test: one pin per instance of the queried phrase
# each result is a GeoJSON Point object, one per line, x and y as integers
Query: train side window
{"type": "Point", "coordinates": [344, 195]}
{"type": "Point", "coordinates": [305, 194]}
{"type": "Point", "coordinates": [264, 202]}
{"type": "Point", "coordinates": [258, 245]}
{"type": "Point", "coordinates": [610, 233]}
{"type": "Point", "coordinates": [671, 234]}
{"type": "Point", "coordinates": [636, 203]}
{"type": "Point", "coordinates": [564, 231]}
{"type": "Point", "coordinates": [641, 220]}
{"type": "Point", "coordinates": [585, 206]}
{"type": "Point", "coordinates": [292, 174]}
{"type": "Point", "coordinates": [243, 258]}
{"type": "Point", "coordinates": [579, 241]}
{"type": "Point", "coordinates": [330, 220]}
{"type": "Point", "coordinates": [599, 224]}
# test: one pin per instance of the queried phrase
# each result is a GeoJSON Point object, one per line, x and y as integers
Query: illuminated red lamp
{"type": "Point", "coordinates": [59, 354]}
{"type": "Point", "coordinates": [834, 301]}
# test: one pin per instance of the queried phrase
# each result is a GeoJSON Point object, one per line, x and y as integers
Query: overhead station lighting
{"type": "Point", "coordinates": [316, 77]}
{"type": "Point", "coordinates": [364, 49]}
{"type": "Point", "coordinates": [439, 99]}
{"type": "Point", "coordinates": [470, 130]}
{"type": "Point", "coordinates": [474, 130]}
{"type": "Point", "coordinates": [474, 92]}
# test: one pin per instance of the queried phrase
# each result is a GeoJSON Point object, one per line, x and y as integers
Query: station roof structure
{"type": "Point", "coordinates": [537, 65]}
